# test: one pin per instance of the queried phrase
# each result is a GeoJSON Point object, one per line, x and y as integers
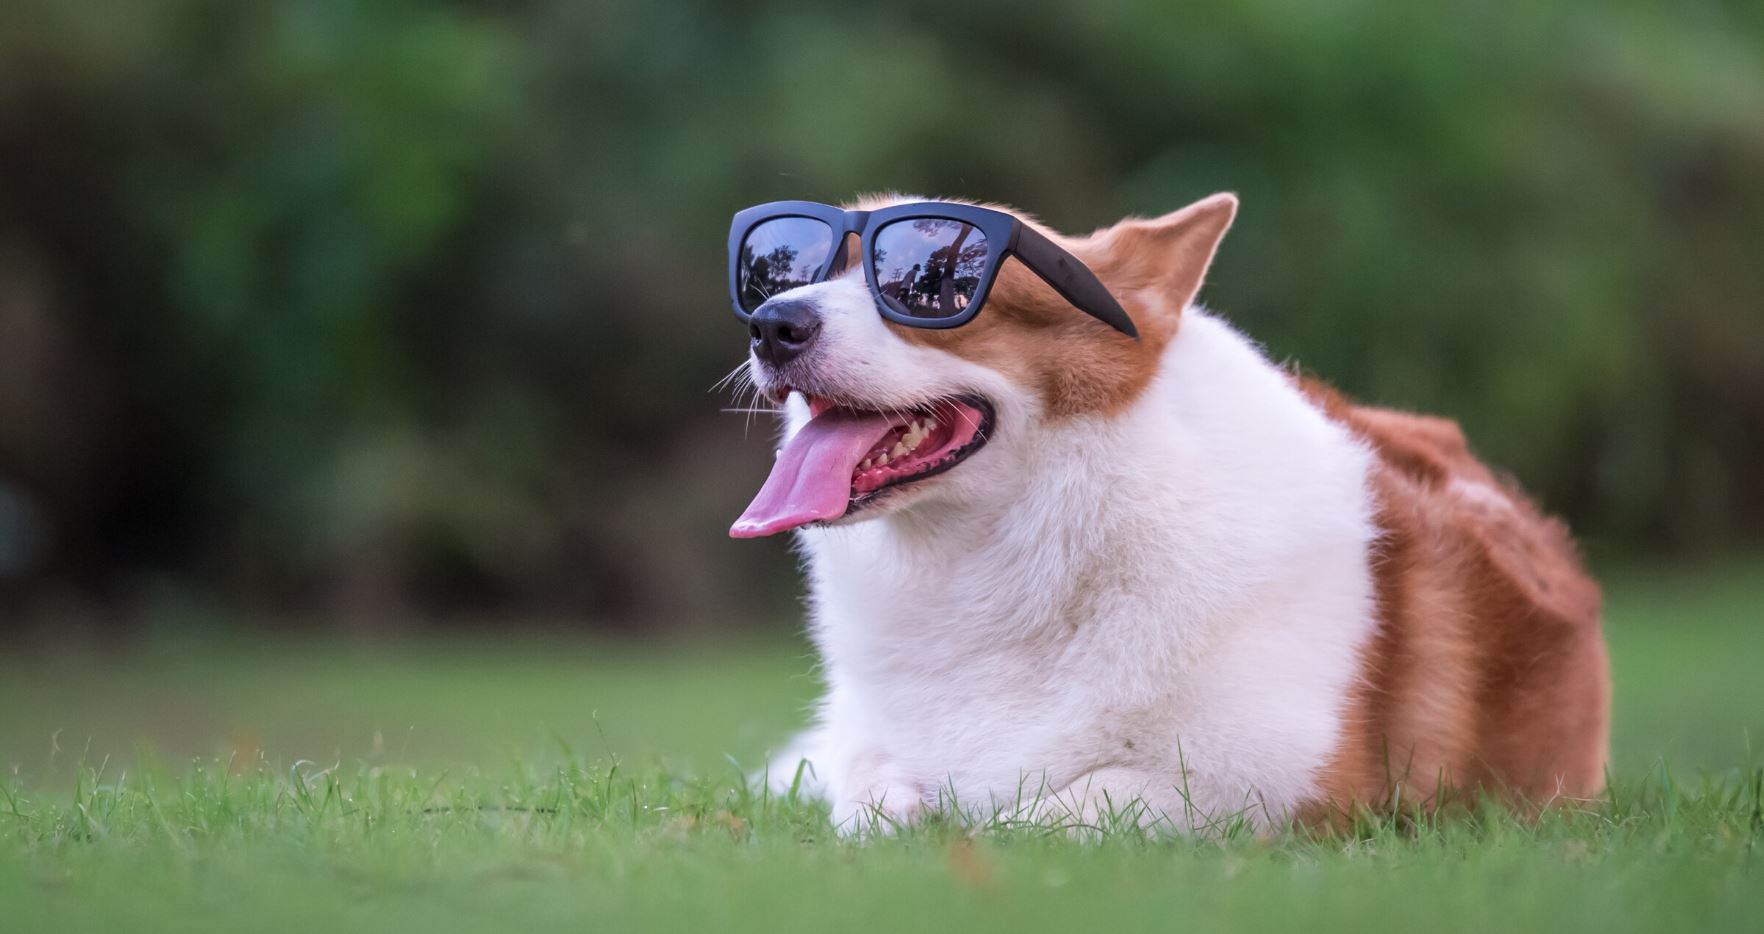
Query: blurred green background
{"type": "Point", "coordinates": [398, 315]}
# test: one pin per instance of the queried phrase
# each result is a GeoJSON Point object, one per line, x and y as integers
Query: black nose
{"type": "Point", "coordinates": [781, 330]}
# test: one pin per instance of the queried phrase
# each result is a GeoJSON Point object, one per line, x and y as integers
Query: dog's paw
{"type": "Point", "coordinates": [879, 810]}
{"type": "Point", "coordinates": [797, 770]}
{"type": "Point", "coordinates": [791, 776]}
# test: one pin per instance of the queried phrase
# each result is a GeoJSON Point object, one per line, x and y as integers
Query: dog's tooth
{"type": "Point", "coordinates": [898, 449]}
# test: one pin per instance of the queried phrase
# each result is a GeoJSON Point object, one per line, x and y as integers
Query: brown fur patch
{"type": "Point", "coordinates": [1488, 670]}
{"type": "Point", "coordinates": [1075, 363]}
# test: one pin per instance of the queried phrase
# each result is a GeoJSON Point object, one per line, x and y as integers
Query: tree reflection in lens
{"type": "Point", "coordinates": [929, 267]}
{"type": "Point", "coordinates": [779, 255]}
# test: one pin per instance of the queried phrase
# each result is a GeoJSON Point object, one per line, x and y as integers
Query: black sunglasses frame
{"type": "Point", "coordinates": [1058, 268]}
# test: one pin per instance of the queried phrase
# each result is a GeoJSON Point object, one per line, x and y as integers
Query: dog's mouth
{"type": "Point", "coordinates": [848, 457]}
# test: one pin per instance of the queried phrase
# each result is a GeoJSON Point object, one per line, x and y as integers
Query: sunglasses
{"type": "Point", "coordinates": [929, 263]}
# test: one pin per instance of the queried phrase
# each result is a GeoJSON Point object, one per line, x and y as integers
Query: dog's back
{"type": "Point", "coordinates": [1487, 670]}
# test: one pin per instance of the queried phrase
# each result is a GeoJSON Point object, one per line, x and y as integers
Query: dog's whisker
{"type": "Point", "coordinates": [740, 370]}
{"type": "Point", "coordinates": [752, 406]}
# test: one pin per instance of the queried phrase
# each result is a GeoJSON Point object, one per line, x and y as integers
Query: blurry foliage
{"type": "Point", "coordinates": [401, 305]}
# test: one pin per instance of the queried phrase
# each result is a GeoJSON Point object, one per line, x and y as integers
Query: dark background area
{"type": "Point", "coordinates": [403, 314]}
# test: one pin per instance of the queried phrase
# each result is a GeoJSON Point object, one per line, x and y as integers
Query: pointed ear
{"type": "Point", "coordinates": [1168, 254]}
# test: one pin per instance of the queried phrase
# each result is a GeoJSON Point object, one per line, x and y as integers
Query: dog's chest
{"type": "Point", "coordinates": [983, 665]}
{"type": "Point", "coordinates": [1180, 594]}
{"type": "Point", "coordinates": [987, 696]}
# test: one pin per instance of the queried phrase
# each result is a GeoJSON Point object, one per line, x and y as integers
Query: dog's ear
{"type": "Point", "coordinates": [1166, 255]}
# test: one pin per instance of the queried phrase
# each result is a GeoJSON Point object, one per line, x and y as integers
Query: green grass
{"type": "Point", "coordinates": [567, 785]}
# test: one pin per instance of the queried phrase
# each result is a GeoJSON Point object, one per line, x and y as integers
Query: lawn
{"type": "Point", "coordinates": [198, 784]}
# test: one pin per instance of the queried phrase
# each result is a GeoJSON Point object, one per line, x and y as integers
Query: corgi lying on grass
{"type": "Point", "coordinates": [1074, 544]}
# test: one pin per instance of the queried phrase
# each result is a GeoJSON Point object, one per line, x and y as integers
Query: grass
{"type": "Point", "coordinates": [538, 786]}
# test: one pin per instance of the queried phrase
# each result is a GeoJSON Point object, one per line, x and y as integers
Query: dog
{"type": "Point", "coordinates": [1085, 574]}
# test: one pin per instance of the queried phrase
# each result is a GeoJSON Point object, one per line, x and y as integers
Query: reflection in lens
{"type": "Point", "coordinates": [929, 267]}
{"type": "Point", "coordinates": [779, 255]}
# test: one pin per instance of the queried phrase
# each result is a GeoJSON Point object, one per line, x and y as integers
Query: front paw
{"type": "Point", "coordinates": [879, 810]}
{"type": "Point", "coordinates": [791, 776]}
{"type": "Point", "coordinates": [796, 771]}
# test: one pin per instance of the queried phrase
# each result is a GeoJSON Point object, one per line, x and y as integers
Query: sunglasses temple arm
{"type": "Point", "coordinates": [1071, 278]}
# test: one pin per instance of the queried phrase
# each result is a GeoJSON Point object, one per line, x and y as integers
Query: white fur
{"type": "Point", "coordinates": [1162, 607]}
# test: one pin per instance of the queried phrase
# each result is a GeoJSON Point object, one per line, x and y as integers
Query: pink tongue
{"type": "Point", "coordinates": [811, 480]}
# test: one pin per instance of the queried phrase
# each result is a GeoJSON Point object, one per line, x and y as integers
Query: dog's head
{"type": "Point", "coordinates": [884, 417]}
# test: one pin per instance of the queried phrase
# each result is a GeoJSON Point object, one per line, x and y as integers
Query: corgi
{"type": "Point", "coordinates": [1061, 571]}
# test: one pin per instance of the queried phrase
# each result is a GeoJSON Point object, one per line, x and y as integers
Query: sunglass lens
{"type": "Point", "coordinates": [779, 255]}
{"type": "Point", "coordinates": [929, 267]}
